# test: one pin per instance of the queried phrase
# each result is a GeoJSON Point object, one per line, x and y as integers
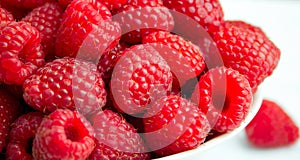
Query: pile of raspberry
{"type": "Point", "coordinates": [127, 79]}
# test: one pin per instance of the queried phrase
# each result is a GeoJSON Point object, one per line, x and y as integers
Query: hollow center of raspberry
{"type": "Point", "coordinates": [75, 131]}
{"type": "Point", "coordinates": [221, 102]}
{"type": "Point", "coordinates": [71, 132]}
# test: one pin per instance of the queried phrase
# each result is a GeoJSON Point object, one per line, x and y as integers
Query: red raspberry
{"type": "Point", "coordinates": [246, 49]}
{"type": "Point", "coordinates": [246, 26]}
{"type": "Point", "coordinates": [141, 17]}
{"type": "Point", "coordinates": [114, 4]}
{"type": "Point", "coordinates": [184, 58]}
{"type": "Point", "coordinates": [10, 109]}
{"type": "Point", "coordinates": [64, 134]}
{"type": "Point", "coordinates": [109, 59]}
{"type": "Point", "coordinates": [21, 136]}
{"type": "Point", "coordinates": [86, 30]}
{"type": "Point", "coordinates": [175, 125]}
{"type": "Point", "coordinates": [46, 19]}
{"type": "Point", "coordinates": [205, 12]}
{"type": "Point", "coordinates": [5, 16]}
{"type": "Point", "coordinates": [28, 4]}
{"type": "Point", "coordinates": [20, 52]}
{"type": "Point", "coordinates": [225, 96]}
{"type": "Point", "coordinates": [110, 4]}
{"type": "Point", "coordinates": [144, 3]}
{"type": "Point", "coordinates": [140, 77]}
{"type": "Point", "coordinates": [116, 138]}
{"type": "Point", "coordinates": [272, 127]}
{"type": "Point", "coordinates": [65, 83]}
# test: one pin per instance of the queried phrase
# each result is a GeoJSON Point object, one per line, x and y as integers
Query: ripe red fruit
{"type": "Point", "coordinates": [10, 109]}
{"type": "Point", "coordinates": [66, 83]}
{"type": "Point", "coordinates": [114, 4]}
{"type": "Point", "coordinates": [184, 58]}
{"type": "Point", "coordinates": [5, 16]}
{"type": "Point", "coordinates": [86, 31]}
{"type": "Point", "coordinates": [272, 127]}
{"type": "Point", "coordinates": [64, 134]}
{"type": "Point", "coordinates": [140, 17]}
{"type": "Point", "coordinates": [225, 96]}
{"type": "Point", "coordinates": [246, 49]}
{"type": "Point", "coordinates": [116, 138]}
{"type": "Point", "coordinates": [28, 4]}
{"type": "Point", "coordinates": [144, 3]}
{"type": "Point", "coordinates": [20, 52]}
{"type": "Point", "coordinates": [140, 77]}
{"type": "Point", "coordinates": [21, 135]}
{"type": "Point", "coordinates": [205, 13]}
{"type": "Point", "coordinates": [174, 125]}
{"type": "Point", "coordinates": [46, 19]}
{"type": "Point", "coordinates": [109, 59]}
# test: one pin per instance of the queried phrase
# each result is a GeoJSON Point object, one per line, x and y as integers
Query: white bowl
{"type": "Point", "coordinates": [256, 103]}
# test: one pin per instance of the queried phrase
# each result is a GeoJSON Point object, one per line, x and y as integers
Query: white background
{"type": "Point", "coordinates": [280, 19]}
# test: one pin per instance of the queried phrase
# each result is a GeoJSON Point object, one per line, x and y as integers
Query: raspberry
{"type": "Point", "coordinates": [141, 17]}
{"type": "Point", "coordinates": [86, 30]}
{"type": "Point", "coordinates": [116, 138]}
{"type": "Point", "coordinates": [246, 49]}
{"type": "Point", "coordinates": [21, 136]}
{"type": "Point", "coordinates": [205, 12]}
{"type": "Point", "coordinates": [114, 4]}
{"type": "Point", "coordinates": [109, 59]}
{"type": "Point", "coordinates": [225, 96]}
{"type": "Point", "coordinates": [5, 16]}
{"type": "Point", "coordinates": [184, 58]}
{"type": "Point", "coordinates": [10, 109]}
{"type": "Point", "coordinates": [46, 19]}
{"type": "Point", "coordinates": [65, 83]}
{"type": "Point", "coordinates": [20, 52]}
{"type": "Point", "coordinates": [272, 127]}
{"type": "Point", "coordinates": [27, 4]}
{"type": "Point", "coordinates": [178, 124]}
{"type": "Point", "coordinates": [64, 134]}
{"type": "Point", "coordinates": [246, 26]}
{"type": "Point", "coordinates": [144, 3]}
{"type": "Point", "coordinates": [140, 77]}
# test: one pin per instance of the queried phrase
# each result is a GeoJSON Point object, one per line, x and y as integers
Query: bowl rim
{"type": "Point", "coordinates": [255, 105]}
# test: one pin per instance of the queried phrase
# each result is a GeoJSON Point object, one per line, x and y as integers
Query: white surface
{"type": "Point", "coordinates": [280, 19]}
